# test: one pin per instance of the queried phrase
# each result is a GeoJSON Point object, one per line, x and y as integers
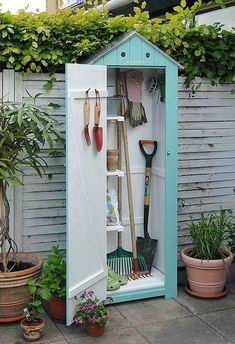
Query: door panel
{"type": "Point", "coordinates": [86, 187]}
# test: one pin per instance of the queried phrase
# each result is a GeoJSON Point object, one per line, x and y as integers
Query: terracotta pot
{"type": "Point", "coordinates": [57, 309]}
{"type": "Point", "coordinates": [32, 332]}
{"type": "Point", "coordinates": [95, 330]}
{"type": "Point", "coordinates": [206, 277]}
{"type": "Point", "coordinates": [13, 291]}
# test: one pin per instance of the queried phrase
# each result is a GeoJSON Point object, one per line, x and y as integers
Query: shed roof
{"type": "Point", "coordinates": [132, 49]}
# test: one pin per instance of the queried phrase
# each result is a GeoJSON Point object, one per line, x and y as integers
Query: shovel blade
{"type": "Point", "coordinates": [147, 248]}
{"type": "Point", "coordinates": [98, 136]}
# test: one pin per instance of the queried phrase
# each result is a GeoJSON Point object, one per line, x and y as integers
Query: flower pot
{"type": "Point", "coordinates": [32, 331]}
{"type": "Point", "coordinates": [206, 278]}
{"type": "Point", "coordinates": [57, 309]}
{"type": "Point", "coordinates": [95, 330]}
{"type": "Point", "coordinates": [14, 294]}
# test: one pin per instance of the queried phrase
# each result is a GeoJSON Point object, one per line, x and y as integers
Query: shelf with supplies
{"type": "Point", "coordinates": [117, 228]}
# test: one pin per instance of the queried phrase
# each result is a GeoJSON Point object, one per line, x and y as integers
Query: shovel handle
{"type": "Point", "coordinates": [148, 173]}
{"type": "Point", "coordinates": [97, 107]}
{"type": "Point", "coordinates": [148, 157]}
{"type": "Point", "coordinates": [87, 108]}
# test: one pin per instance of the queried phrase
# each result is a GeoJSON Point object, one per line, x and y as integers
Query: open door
{"type": "Point", "coordinates": [86, 186]}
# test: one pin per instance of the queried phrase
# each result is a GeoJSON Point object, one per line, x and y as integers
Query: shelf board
{"type": "Point", "coordinates": [118, 228]}
{"type": "Point", "coordinates": [156, 280]}
{"type": "Point", "coordinates": [115, 118]}
{"type": "Point", "coordinates": [118, 173]}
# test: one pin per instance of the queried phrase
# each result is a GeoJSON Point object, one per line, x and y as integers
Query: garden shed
{"type": "Point", "coordinates": [89, 239]}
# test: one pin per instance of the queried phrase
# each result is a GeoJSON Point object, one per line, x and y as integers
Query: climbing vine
{"type": "Point", "coordinates": [44, 42]}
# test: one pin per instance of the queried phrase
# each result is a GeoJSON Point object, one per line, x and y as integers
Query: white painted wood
{"type": "Point", "coordinates": [43, 200]}
{"type": "Point", "coordinates": [1, 80]}
{"type": "Point", "coordinates": [206, 156]}
{"type": "Point", "coordinates": [86, 219]}
{"type": "Point", "coordinates": [115, 118]}
{"type": "Point", "coordinates": [117, 173]}
{"type": "Point", "coordinates": [8, 94]}
{"type": "Point", "coordinates": [117, 228]}
{"type": "Point", "coordinates": [18, 191]}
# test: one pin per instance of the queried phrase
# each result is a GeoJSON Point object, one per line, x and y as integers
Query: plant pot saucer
{"type": "Point", "coordinates": [206, 296]}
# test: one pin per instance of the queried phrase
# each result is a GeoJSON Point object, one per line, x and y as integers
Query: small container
{"type": "Point", "coordinates": [112, 159]}
{"type": "Point", "coordinates": [113, 105]}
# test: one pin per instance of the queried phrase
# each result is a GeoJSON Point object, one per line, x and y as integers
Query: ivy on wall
{"type": "Point", "coordinates": [44, 42]}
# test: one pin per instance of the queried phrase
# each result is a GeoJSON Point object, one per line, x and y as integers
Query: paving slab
{"type": "Point", "coordinates": [181, 331]}
{"type": "Point", "coordinates": [116, 336]}
{"type": "Point", "coordinates": [71, 331]}
{"type": "Point", "coordinates": [222, 322]}
{"type": "Point", "coordinates": [231, 287]}
{"type": "Point", "coordinates": [201, 306]}
{"type": "Point", "coordinates": [152, 310]}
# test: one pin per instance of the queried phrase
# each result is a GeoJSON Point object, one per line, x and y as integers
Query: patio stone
{"type": "Point", "coordinates": [201, 306]}
{"type": "Point", "coordinates": [71, 331]}
{"type": "Point", "coordinates": [117, 336]}
{"type": "Point", "coordinates": [152, 311]}
{"type": "Point", "coordinates": [181, 331]}
{"type": "Point", "coordinates": [222, 322]}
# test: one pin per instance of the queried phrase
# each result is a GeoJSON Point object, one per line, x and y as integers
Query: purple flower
{"type": "Point", "coordinates": [78, 320]}
{"type": "Point", "coordinates": [90, 308]}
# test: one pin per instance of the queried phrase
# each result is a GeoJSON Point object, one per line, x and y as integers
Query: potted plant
{"type": "Point", "coordinates": [91, 312]}
{"type": "Point", "coordinates": [26, 130]}
{"type": "Point", "coordinates": [208, 259]}
{"type": "Point", "coordinates": [53, 284]}
{"type": "Point", "coordinates": [32, 325]}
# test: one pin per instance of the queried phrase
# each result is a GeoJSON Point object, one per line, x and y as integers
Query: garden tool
{"type": "Point", "coordinates": [147, 246]}
{"type": "Point", "coordinates": [139, 263]}
{"type": "Point", "coordinates": [135, 111]}
{"type": "Point", "coordinates": [98, 131]}
{"type": "Point", "coordinates": [122, 261]}
{"type": "Point", "coordinates": [87, 118]}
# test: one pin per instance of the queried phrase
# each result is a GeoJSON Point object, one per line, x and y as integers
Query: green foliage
{"type": "Point", "coordinates": [209, 233]}
{"type": "Point", "coordinates": [35, 306]}
{"type": "Point", "coordinates": [44, 42]}
{"type": "Point", "coordinates": [53, 277]}
{"type": "Point", "coordinates": [25, 130]}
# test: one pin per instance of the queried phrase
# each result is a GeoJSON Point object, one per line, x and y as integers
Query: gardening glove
{"type": "Point", "coordinates": [136, 114]}
{"type": "Point", "coordinates": [135, 111]}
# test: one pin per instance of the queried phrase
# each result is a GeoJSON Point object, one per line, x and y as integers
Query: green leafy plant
{"type": "Point", "coordinates": [90, 309]}
{"type": "Point", "coordinates": [36, 42]}
{"type": "Point", "coordinates": [209, 234]}
{"type": "Point", "coordinates": [53, 277]}
{"type": "Point", "coordinates": [27, 132]}
{"type": "Point", "coordinates": [231, 234]}
{"type": "Point", "coordinates": [35, 306]}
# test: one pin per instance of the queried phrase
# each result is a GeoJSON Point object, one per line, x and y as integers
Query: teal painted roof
{"type": "Point", "coordinates": [132, 49]}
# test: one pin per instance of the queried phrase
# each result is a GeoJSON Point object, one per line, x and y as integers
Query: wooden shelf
{"type": "Point", "coordinates": [117, 173]}
{"type": "Point", "coordinates": [118, 228]}
{"type": "Point", "coordinates": [115, 118]}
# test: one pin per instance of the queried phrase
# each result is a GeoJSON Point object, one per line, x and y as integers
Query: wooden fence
{"type": "Point", "coordinates": [206, 161]}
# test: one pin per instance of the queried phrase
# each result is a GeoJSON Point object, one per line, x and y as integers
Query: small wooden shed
{"type": "Point", "coordinates": [89, 239]}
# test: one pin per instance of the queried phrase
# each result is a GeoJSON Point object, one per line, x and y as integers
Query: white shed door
{"type": "Point", "coordinates": [86, 187]}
